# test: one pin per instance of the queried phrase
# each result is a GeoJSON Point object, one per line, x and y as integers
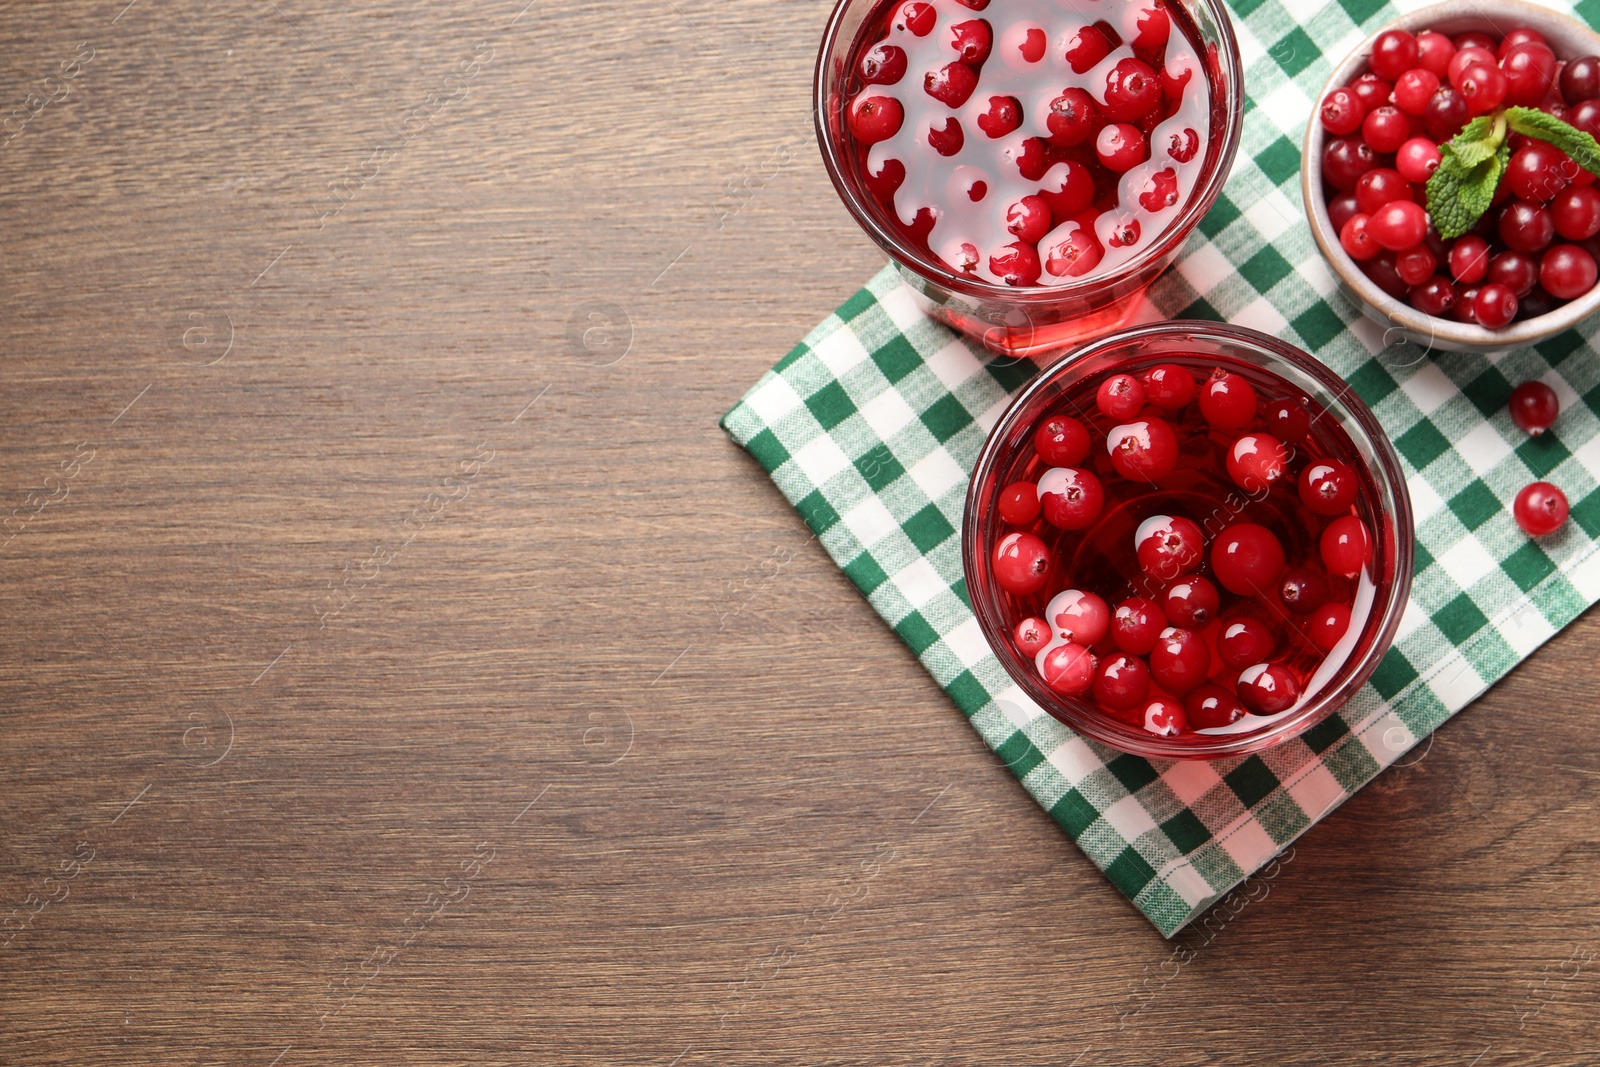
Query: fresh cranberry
{"type": "Point", "coordinates": [1191, 602]}
{"type": "Point", "coordinates": [1123, 682]}
{"type": "Point", "coordinates": [1268, 688]}
{"type": "Point", "coordinates": [1483, 87]}
{"type": "Point", "coordinates": [1120, 397]}
{"type": "Point", "coordinates": [1530, 71]}
{"type": "Point", "coordinates": [1227, 401]}
{"type": "Point", "coordinates": [1135, 625]}
{"type": "Point", "coordinates": [1243, 641]}
{"type": "Point", "coordinates": [1566, 272]}
{"type": "Point", "coordinates": [1023, 45]}
{"type": "Point", "coordinates": [1029, 219]}
{"type": "Point", "coordinates": [951, 84]}
{"type": "Point", "coordinates": [1165, 717]}
{"type": "Point", "coordinates": [1019, 503]}
{"type": "Point", "coordinates": [1341, 209]}
{"type": "Point", "coordinates": [1302, 590]}
{"type": "Point", "coordinates": [1415, 265]}
{"type": "Point", "coordinates": [1434, 52]}
{"type": "Point", "coordinates": [1255, 461]}
{"type": "Point", "coordinates": [1413, 90]}
{"type": "Point", "coordinates": [883, 64]}
{"type": "Point", "coordinates": [1146, 449]}
{"type": "Point", "coordinates": [1061, 441]}
{"type": "Point", "coordinates": [1398, 225]}
{"type": "Point", "coordinates": [1540, 509]}
{"type": "Point", "coordinates": [1417, 159]}
{"type": "Point", "coordinates": [948, 138]}
{"type": "Point", "coordinates": [1328, 624]}
{"type": "Point", "coordinates": [1393, 53]}
{"type": "Point", "coordinates": [1526, 227]}
{"type": "Point", "coordinates": [1003, 116]}
{"type": "Point", "coordinates": [1168, 546]}
{"type": "Point", "coordinates": [1538, 171]}
{"type": "Point", "coordinates": [1068, 188]}
{"type": "Point", "coordinates": [1495, 306]}
{"type": "Point", "coordinates": [883, 182]}
{"type": "Point", "coordinates": [1132, 91]}
{"type": "Point", "coordinates": [972, 40]}
{"type": "Point", "coordinates": [1032, 635]}
{"type": "Point", "coordinates": [1466, 301]}
{"type": "Point", "coordinates": [1288, 419]}
{"type": "Point", "coordinates": [1247, 558]}
{"type": "Point", "coordinates": [1072, 118]}
{"type": "Point", "coordinates": [1212, 706]}
{"type": "Point", "coordinates": [1074, 254]}
{"type": "Point", "coordinates": [1356, 241]}
{"type": "Point", "coordinates": [1585, 115]}
{"type": "Point", "coordinates": [1078, 616]}
{"type": "Point", "coordinates": [1519, 35]}
{"type": "Point", "coordinates": [1383, 272]}
{"type": "Point", "coordinates": [919, 18]}
{"type": "Point", "coordinates": [1371, 90]}
{"type": "Point", "coordinates": [1534, 407]}
{"type": "Point", "coordinates": [1380, 186]}
{"type": "Point", "coordinates": [1436, 296]}
{"type": "Point", "coordinates": [1031, 158]}
{"type": "Point", "coordinates": [1146, 25]}
{"type": "Point", "coordinates": [1160, 191]}
{"type": "Point", "coordinates": [1180, 661]}
{"type": "Point", "coordinates": [1385, 128]}
{"type": "Point", "coordinates": [1346, 546]}
{"type": "Point", "coordinates": [1580, 79]}
{"type": "Point", "coordinates": [1470, 56]}
{"type": "Point", "coordinates": [875, 118]}
{"type": "Point", "coordinates": [1516, 270]}
{"type": "Point", "coordinates": [1342, 112]}
{"type": "Point", "coordinates": [1068, 669]}
{"type": "Point", "coordinates": [1168, 386]}
{"type": "Point", "coordinates": [1021, 563]}
{"type": "Point", "coordinates": [1345, 160]}
{"type": "Point", "coordinates": [1446, 114]}
{"type": "Point", "coordinates": [1120, 147]}
{"type": "Point", "coordinates": [1535, 304]}
{"type": "Point", "coordinates": [1575, 212]}
{"type": "Point", "coordinates": [1469, 259]}
{"type": "Point", "coordinates": [1328, 487]}
{"type": "Point", "coordinates": [1182, 145]}
{"type": "Point", "coordinates": [1086, 48]}
{"type": "Point", "coordinates": [1071, 498]}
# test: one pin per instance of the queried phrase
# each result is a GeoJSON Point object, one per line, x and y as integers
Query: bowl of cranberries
{"type": "Point", "coordinates": [1450, 175]}
{"type": "Point", "coordinates": [1030, 166]}
{"type": "Point", "coordinates": [1189, 540]}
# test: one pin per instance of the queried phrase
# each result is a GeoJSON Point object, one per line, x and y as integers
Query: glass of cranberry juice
{"type": "Point", "coordinates": [1105, 541]}
{"type": "Point", "coordinates": [1030, 166]}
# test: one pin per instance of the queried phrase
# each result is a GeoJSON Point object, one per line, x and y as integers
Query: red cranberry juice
{"type": "Point", "coordinates": [1239, 625]}
{"type": "Point", "coordinates": [1030, 142]}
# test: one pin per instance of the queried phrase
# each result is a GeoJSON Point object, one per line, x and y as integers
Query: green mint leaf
{"type": "Point", "coordinates": [1531, 122]}
{"type": "Point", "coordinates": [1460, 192]}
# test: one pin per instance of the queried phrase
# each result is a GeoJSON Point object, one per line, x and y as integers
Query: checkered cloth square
{"type": "Point", "coordinates": [871, 426]}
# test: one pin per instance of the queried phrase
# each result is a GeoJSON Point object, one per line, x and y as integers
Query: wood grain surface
{"type": "Point", "coordinates": [399, 666]}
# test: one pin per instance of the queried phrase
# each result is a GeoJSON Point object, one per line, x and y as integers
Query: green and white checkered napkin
{"type": "Point", "coordinates": [872, 424]}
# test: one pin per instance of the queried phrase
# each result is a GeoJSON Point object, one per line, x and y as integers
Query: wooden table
{"type": "Point", "coordinates": [399, 665]}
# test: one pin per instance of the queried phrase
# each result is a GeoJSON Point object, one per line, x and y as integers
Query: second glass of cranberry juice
{"type": "Point", "coordinates": [1030, 165]}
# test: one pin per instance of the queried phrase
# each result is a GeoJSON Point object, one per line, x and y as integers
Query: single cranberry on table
{"type": "Point", "coordinates": [1540, 509]}
{"type": "Point", "coordinates": [1534, 407]}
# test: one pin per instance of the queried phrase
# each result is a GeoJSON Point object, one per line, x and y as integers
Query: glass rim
{"type": "Point", "coordinates": [1394, 499]}
{"type": "Point", "coordinates": [904, 255]}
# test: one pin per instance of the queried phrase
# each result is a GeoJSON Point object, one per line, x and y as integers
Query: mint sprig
{"type": "Point", "coordinates": [1471, 163]}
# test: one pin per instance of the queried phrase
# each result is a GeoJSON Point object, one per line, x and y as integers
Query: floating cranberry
{"type": "Point", "coordinates": [1534, 407]}
{"type": "Point", "coordinates": [950, 84]}
{"type": "Point", "coordinates": [1227, 400]}
{"type": "Point", "coordinates": [1016, 264]}
{"type": "Point", "coordinates": [1211, 706]}
{"type": "Point", "coordinates": [948, 138]}
{"type": "Point", "coordinates": [1328, 486]}
{"type": "Point", "coordinates": [1023, 45]}
{"type": "Point", "coordinates": [1165, 717]}
{"type": "Point", "coordinates": [1247, 559]}
{"type": "Point", "coordinates": [1071, 498]}
{"type": "Point", "coordinates": [1078, 616]}
{"type": "Point", "coordinates": [1268, 688]}
{"type": "Point", "coordinates": [1061, 441]}
{"type": "Point", "coordinates": [1244, 641]}
{"type": "Point", "coordinates": [1540, 509]}
{"type": "Point", "coordinates": [1068, 669]}
{"type": "Point", "coordinates": [1180, 660]}
{"type": "Point", "coordinates": [1191, 602]}
{"type": "Point", "coordinates": [1075, 254]}
{"type": "Point", "coordinates": [1146, 449]}
{"type": "Point", "coordinates": [1135, 625]}
{"type": "Point", "coordinates": [1182, 145]}
{"type": "Point", "coordinates": [1169, 386]}
{"type": "Point", "coordinates": [883, 64]}
{"type": "Point", "coordinates": [1255, 461]}
{"type": "Point", "coordinates": [1068, 188]}
{"type": "Point", "coordinates": [1160, 192]}
{"type": "Point", "coordinates": [1019, 503]}
{"type": "Point", "coordinates": [1086, 48]}
{"type": "Point", "coordinates": [919, 18]}
{"type": "Point", "coordinates": [972, 40]}
{"type": "Point", "coordinates": [1168, 546]}
{"type": "Point", "coordinates": [1346, 546]}
{"type": "Point", "coordinates": [1120, 147]}
{"type": "Point", "coordinates": [1003, 116]}
{"type": "Point", "coordinates": [1123, 682]}
{"type": "Point", "coordinates": [1029, 219]}
{"type": "Point", "coordinates": [1021, 563]}
{"type": "Point", "coordinates": [1302, 590]}
{"type": "Point", "coordinates": [1328, 625]}
{"type": "Point", "coordinates": [1288, 419]}
{"type": "Point", "coordinates": [1072, 118]}
{"type": "Point", "coordinates": [1120, 397]}
{"type": "Point", "coordinates": [1132, 91]}
{"type": "Point", "coordinates": [1031, 635]}
{"type": "Point", "coordinates": [875, 118]}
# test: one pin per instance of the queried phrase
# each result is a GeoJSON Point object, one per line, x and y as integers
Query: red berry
{"type": "Point", "coordinates": [1068, 188]}
{"type": "Point", "coordinates": [1120, 147]}
{"type": "Point", "coordinates": [972, 40]}
{"type": "Point", "coordinates": [1288, 419]}
{"type": "Point", "coordinates": [1068, 669]}
{"type": "Point", "coordinates": [1534, 407]}
{"type": "Point", "coordinates": [1247, 559]}
{"type": "Point", "coordinates": [1385, 128]}
{"type": "Point", "coordinates": [919, 18]}
{"type": "Point", "coordinates": [1021, 563]}
{"type": "Point", "coordinates": [1120, 397]}
{"type": "Point", "coordinates": [1519, 35]}
{"type": "Point", "coordinates": [1017, 263]}
{"type": "Point", "coordinates": [883, 64]}
{"type": "Point", "coordinates": [1135, 625]}
{"type": "Point", "coordinates": [1227, 401]}
{"type": "Point", "coordinates": [1530, 72]}
{"type": "Point", "coordinates": [1341, 209]}
{"type": "Point", "coordinates": [1146, 450]}
{"type": "Point", "coordinates": [1357, 242]}
{"type": "Point", "coordinates": [1180, 661]}
{"type": "Point", "coordinates": [1302, 590]}
{"type": "Point", "coordinates": [1379, 186]}
{"type": "Point", "coordinates": [1132, 91]}
{"type": "Point", "coordinates": [1434, 52]}
{"type": "Point", "coordinates": [1446, 114]}
{"type": "Point", "coordinates": [950, 84]}
{"type": "Point", "coordinates": [1168, 546]}
{"type": "Point", "coordinates": [1495, 306]}
{"type": "Point", "coordinates": [1566, 271]}
{"type": "Point", "coordinates": [1346, 546]}
{"type": "Point", "coordinates": [1074, 255]}
{"type": "Point", "coordinates": [1471, 55]}
{"type": "Point", "coordinates": [1576, 212]}
{"type": "Point", "coordinates": [1393, 53]}
{"type": "Point", "coordinates": [1436, 296]}
{"type": "Point", "coordinates": [1168, 386]}
{"type": "Point", "coordinates": [1328, 486]}
{"type": "Point", "coordinates": [1516, 270]}
{"type": "Point", "coordinates": [1417, 159]}
{"type": "Point", "coordinates": [1255, 461]}
{"type": "Point", "coordinates": [1160, 191]}
{"type": "Point", "coordinates": [1540, 509]}
{"type": "Point", "coordinates": [1072, 118]}
{"type": "Point", "coordinates": [1526, 227]}
{"type": "Point", "coordinates": [1086, 48]}
{"type": "Point", "coordinates": [1023, 45]}
{"type": "Point", "coordinates": [1345, 160]}
{"type": "Point", "coordinates": [1342, 112]}
{"type": "Point", "coordinates": [1078, 616]}
{"type": "Point", "coordinates": [948, 138]}
{"type": "Point", "coordinates": [1398, 225]}
{"type": "Point", "coordinates": [1123, 682]}
{"type": "Point", "coordinates": [1415, 265]}
{"type": "Point", "coordinates": [1003, 116]}
{"type": "Point", "coordinates": [1212, 706]}
{"type": "Point", "coordinates": [1165, 718]}
{"type": "Point", "coordinates": [1469, 259]}
{"type": "Point", "coordinates": [1191, 602]}
{"type": "Point", "coordinates": [1029, 219]}
{"type": "Point", "coordinates": [1244, 641]}
{"type": "Point", "coordinates": [875, 118]}
{"type": "Point", "coordinates": [1019, 503]}
{"type": "Point", "coordinates": [1580, 79]}
{"type": "Point", "coordinates": [1268, 688]}
{"type": "Point", "coordinates": [1328, 624]}
{"type": "Point", "coordinates": [1413, 90]}
{"type": "Point", "coordinates": [1071, 498]}
{"type": "Point", "coordinates": [1031, 635]}
{"type": "Point", "coordinates": [1371, 90]}
{"type": "Point", "coordinates": [1061, 441]}
{"type": "Point", "coordinates": [1183, 144]}
{"type": "Point", "coordinates": [1538, 171]}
